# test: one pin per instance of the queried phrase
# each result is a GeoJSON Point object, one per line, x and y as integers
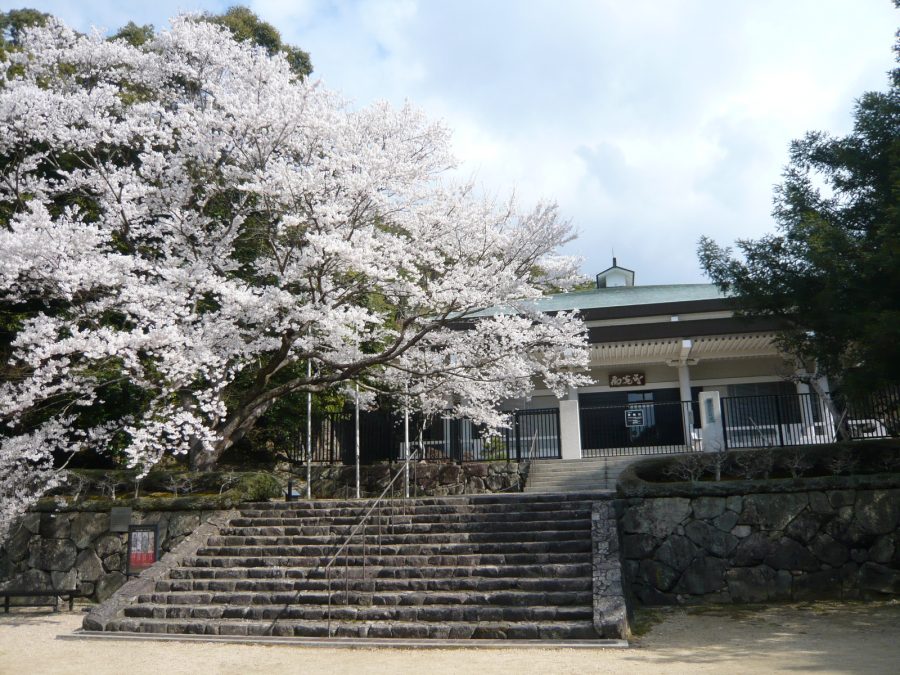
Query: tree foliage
{"type": "Point", "coordinates": [832, 272]}
{"type": "Point", "coordinates": [245, 26]}
{"type": "Point", "coordinates": [188, 225]}
{"type": "Point", "coordinates": [133, 34]}
{"type": "Point", "coordinates": [15, 22]}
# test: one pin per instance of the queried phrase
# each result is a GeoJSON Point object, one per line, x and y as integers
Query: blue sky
{"type": "Point", "coordinates": [650, 122]}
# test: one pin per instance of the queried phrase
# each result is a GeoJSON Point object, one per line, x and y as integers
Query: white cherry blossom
{"type": "Point", "coordinates": [189, 213]}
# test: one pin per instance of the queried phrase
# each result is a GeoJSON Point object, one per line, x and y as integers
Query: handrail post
{"type": "Point", "coordinates": [357, 440]}
{"type": "Point", "coordinates": [308, 432]}
{"type": "Point", "coordinates": [328, 582]}
{"type": "Point", "coordinates": [406, 445]}
{"type": "Point", "coordinates": [392, 484]}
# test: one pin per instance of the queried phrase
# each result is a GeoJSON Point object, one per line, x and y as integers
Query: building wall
{"type": "Point", "coordinates": [716, 372]}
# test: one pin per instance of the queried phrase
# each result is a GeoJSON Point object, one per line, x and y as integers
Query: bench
{"type": "Point", "coordinates": [57, 595]}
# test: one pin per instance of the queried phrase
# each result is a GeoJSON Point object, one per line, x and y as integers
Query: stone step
{"type": "Point", "coordinates": [387, 537]}
{"type": "Point", "coordinates": [493, 566]}
{"type": "Point", "coordinates": [505, 498]}
{"type": "Point", "coordinates": [541, 489]}
{"type": "Point", "coordinates": [339, 596]}
{"type": "Point", "coordinates": [579, 482]}
{"type": "Point", "coordinates": [413, 508]}
{"type": "Point", "coordinates": [527, 571]}
{"type": "Point", "coordinates": [460, 560]}
{"type": "Point", "coordinates": [555, 630]}
{"type": "Point", "coordinates": [281, 585]}
{"type": "Point", "coordinates": [497, 527]}
{"type": "Point", "coordinates": [438, 518]}
{"type": "Point", "coordinates": [358, 548]}
{"type": "Point", "coordinates": [581, 475]}
{"type": "Point", "coordinates": [339, 612]}
{"type": "Point", "coordinates": [594, 470]}
{"type": "Point", "coordinates": [581, 461]}
{"type": "Point", "coordinates": [549, 487]}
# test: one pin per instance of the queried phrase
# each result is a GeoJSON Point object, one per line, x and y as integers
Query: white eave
{"type": "Point", "coordinates": [755, 345]}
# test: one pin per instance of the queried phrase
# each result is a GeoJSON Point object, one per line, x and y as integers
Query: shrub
{"type": "Point", "coordinates": [797, 462]}
{"type": "Point", "coordinates": [754, 463]}
{"type": "Point", "coordinates": [689, 467]}
{"type": "Point", "coordinates": [257, 487]}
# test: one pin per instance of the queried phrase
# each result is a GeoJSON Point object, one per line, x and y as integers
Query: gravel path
{"type": "Point", "coordinates": [822, 637]}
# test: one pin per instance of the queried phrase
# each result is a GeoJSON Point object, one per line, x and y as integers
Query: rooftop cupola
{"type": "Point", "coordinates": [615, 276]}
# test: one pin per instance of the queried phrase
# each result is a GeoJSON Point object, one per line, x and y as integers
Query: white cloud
{"type": "Point", "coordinates": [650, 122]}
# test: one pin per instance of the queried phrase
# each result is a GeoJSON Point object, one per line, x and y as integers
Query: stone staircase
{"type": "Point", "coordinates": [597, 474]}
{"type": "Point", "coordinates": [489, 566]}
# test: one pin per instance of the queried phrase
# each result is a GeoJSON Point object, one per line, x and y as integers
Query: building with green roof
{"type": "Point", "coordinates": [656, 354]}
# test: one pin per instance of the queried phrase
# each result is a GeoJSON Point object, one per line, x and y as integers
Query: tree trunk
{"type": "Point", "coordinates": [838, 415]}
{"type": "Point", "coordinates": [232, 430]}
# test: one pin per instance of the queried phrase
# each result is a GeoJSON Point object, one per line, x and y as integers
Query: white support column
{"type": "Point", "coordinates": [712, 431]}
{"type": "Point", "coordinates": [570, 426]}
{"type": "Point", "coordinates": [682, 364]}
{"type": "Point", "coordinates": [687, 411]}
{"type": "Point", "coordinates": [806, 402]}
{"type": "Point", "coordinates": [684, 381]}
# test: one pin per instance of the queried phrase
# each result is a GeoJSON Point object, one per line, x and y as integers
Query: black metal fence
{"type": "Point", "coordinates": [808, 419]}
{"type": "Point", "coordinates": [642, 428]}
{"type": "Point", "coordinates": [876, 415]}
{"type": "Point", "coordinates": [532, 434]}
{"type": "Point", "coordinates": [775, 421]}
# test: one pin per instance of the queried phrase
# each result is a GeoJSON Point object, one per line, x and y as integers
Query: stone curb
{"type": "Point", "coordinates": [610, 608]}
{"type": "Point", "coordinates": [630, 485]}
{"type": "Point", "coordinates": [98, 617]}
{"type": "Point", "coordinates": [351, 643]}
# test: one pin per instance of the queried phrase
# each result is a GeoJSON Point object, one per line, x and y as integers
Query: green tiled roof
{"type": "Point", "coordinates": [622, 296]}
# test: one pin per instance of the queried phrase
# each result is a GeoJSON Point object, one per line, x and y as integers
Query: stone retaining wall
{"type": "Point", "coordinates": [802, 545]}
{"type": "Point", "coordinates": [66, 550]}
{"type": "Point", "coordinates": [429, 479]}
{"type": "Point", "coordinates": [75, 549]}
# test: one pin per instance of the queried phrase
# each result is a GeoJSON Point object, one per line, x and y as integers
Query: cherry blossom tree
{"type": "Point", "coordinates": [187, 224]}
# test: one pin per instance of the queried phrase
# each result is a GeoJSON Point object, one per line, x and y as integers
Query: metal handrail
{"type": "Point", "coordinates": [355, 530]}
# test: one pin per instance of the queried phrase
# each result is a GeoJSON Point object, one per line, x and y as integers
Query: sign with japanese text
{"type": "Point", "coordinates": [635, 379]}
{"type": "Point", "coordinates": [634, 417]}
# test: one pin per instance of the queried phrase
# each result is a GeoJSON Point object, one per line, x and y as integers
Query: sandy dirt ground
{"type": "Point", "coordinates": [821, 638]}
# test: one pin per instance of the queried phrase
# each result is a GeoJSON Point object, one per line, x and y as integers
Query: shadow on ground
{"type": "Point", "coordinates": [850, 637]}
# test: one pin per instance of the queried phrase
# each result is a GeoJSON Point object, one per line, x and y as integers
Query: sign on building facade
{"type": "Point", "coordinates": [633, 379]}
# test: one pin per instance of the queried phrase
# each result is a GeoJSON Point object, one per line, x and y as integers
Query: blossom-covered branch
{"type": "Point", "coordinates": [189, 223]}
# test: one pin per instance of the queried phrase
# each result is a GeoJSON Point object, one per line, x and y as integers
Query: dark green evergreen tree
{"type": "Point", "coordinates": [831, 273]}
